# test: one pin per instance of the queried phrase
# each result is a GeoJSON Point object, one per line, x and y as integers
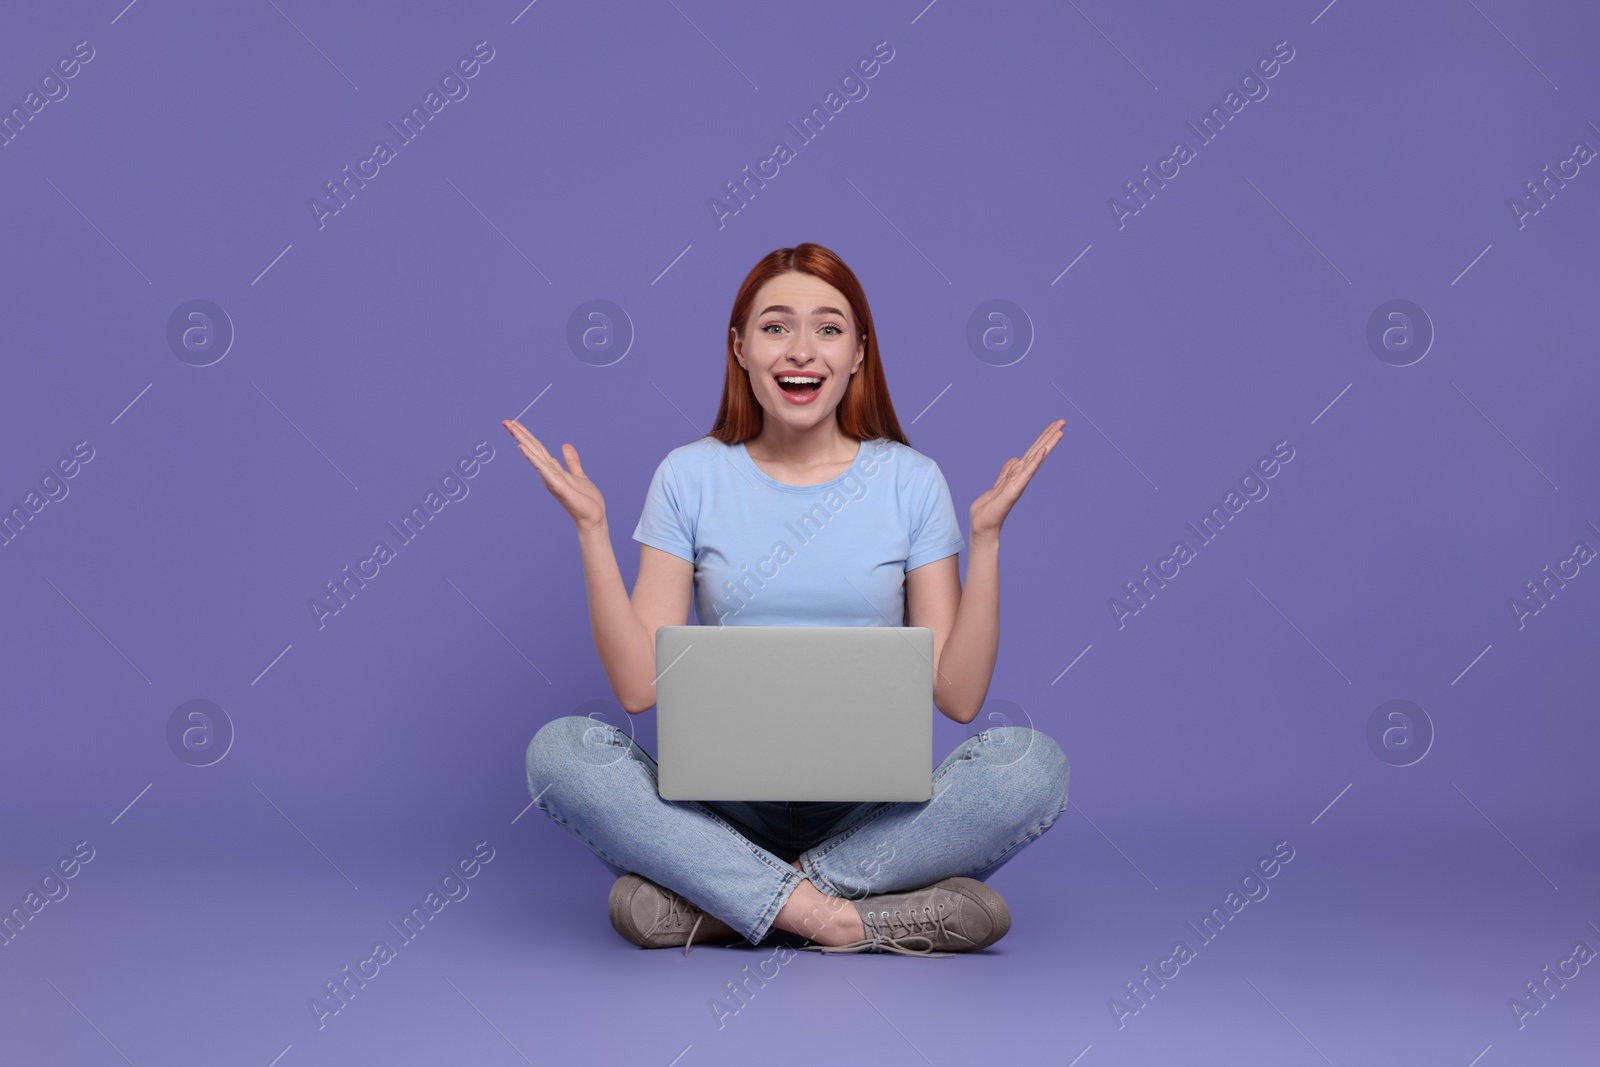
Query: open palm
{"type": "Point", "coordinates": [991, 509]}
{"type": "Point", "coordinates": [570, 486]}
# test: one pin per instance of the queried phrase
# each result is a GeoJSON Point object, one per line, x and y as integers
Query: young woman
{"type": "Point", "coordinates": [806, 445]}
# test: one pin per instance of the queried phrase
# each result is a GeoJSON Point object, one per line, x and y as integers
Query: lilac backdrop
{"type": "Point", "coordinates": [979, 184]}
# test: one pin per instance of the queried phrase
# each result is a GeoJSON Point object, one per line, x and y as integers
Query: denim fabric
{"type": "Point", "coordinates": [996, 792]}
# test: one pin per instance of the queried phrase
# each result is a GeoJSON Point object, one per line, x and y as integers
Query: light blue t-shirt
{"type": "Point", "coordinates": [770, 554]}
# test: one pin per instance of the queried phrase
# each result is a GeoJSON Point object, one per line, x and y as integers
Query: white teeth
{"type": "Point", "coordinates": [798, 378]}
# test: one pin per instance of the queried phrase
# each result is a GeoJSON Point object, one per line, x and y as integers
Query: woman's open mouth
{"type": "Point", "coordinates": [799, 388]}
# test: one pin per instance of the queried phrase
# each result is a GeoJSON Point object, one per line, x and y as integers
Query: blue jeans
{"type": "Point", "coordinates": [996, 792]}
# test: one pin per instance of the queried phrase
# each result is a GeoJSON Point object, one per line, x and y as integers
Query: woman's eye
{"type": "Point", "coordinates": [835, 329]}
{"type": "Point", "coordinates": [771, 325]}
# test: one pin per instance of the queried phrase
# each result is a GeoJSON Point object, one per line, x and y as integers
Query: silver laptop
{"type": "Point", "coordinates": [794, 712]}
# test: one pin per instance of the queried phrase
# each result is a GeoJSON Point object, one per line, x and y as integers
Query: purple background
{"type": "Point", "coordinates": [372, 353]}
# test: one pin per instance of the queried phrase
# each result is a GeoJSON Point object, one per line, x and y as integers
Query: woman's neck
{"type": "Point", "coordinates": [820, 446]}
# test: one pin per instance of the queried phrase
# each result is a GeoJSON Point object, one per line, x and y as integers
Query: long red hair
{"type": "Point", "coordinates": [865, 411]}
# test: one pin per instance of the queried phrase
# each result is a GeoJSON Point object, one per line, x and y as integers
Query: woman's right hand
{"type": "Point", "coordinates": [570, 486]}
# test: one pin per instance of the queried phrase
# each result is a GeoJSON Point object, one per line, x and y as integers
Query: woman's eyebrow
{"type": "Point", "coordinates": [787, 310]}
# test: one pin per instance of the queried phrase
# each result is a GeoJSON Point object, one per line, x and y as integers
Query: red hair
{"type": "Point", "coordinates": [864, 412]}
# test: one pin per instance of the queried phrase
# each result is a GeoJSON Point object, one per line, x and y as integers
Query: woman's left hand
{"type": "Point", "coordinates": [991, 509]}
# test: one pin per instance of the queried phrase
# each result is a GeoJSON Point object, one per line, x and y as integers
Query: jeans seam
{"type": "Point", "coordinates": [769, 915]}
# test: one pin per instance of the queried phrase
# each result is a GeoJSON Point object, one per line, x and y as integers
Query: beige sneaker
{"type": "Point", "coordinates": [955, 915]}
{"type": "Point", "coordinates": [653, 917]}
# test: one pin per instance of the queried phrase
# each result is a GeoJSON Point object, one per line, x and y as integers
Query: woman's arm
{"type": "Point", "coordinates": [625, 630]}
{"type": "Point", "coordinates": [626, 652]}
{"type": "Point", "coordinates": [965, 624]}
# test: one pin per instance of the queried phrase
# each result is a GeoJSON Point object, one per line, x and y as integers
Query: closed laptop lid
{"type": "Point", "coordinates": [794, 712]}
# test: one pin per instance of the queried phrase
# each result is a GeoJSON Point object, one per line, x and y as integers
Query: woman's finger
{"type": "Point", "coordinates": [531, 446]}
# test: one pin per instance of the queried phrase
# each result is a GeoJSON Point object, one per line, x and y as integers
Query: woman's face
{"type": "Point", "coordinates": [800, 326]}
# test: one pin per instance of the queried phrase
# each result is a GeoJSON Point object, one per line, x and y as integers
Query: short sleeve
{"type": "Point", "coordinates": [936, 533]}
{"type": "Point", "coordinates": [663, 523]}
